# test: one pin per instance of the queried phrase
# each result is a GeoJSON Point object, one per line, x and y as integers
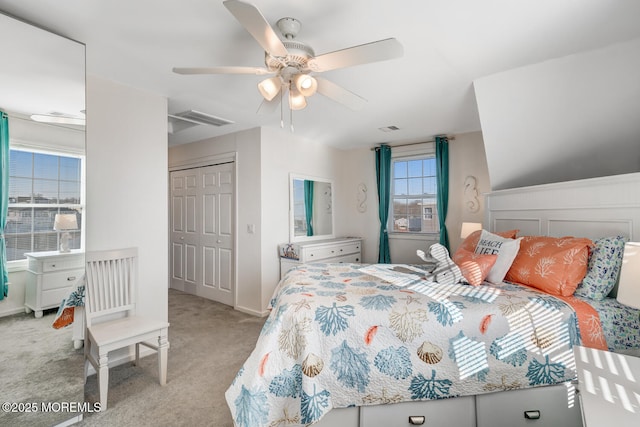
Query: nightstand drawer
{"type": "Point", "coordinates": [61, 279]}
{"type": "Point", "coordinates": [53, 297]}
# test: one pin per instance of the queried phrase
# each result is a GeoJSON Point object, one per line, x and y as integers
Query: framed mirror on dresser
{"type": "Point", "coordinates": [42, 99]}
{"type": "Point", "coordinates": [311, 226]}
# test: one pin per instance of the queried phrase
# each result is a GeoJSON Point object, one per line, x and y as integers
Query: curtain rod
{"type": "Point", "coordinates": [449, 138]}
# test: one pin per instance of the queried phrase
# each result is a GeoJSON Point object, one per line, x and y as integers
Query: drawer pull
{"type": "Point", "coordinates": [532, 415]}
{"type": "Point", "coordinates": [416, 420]}
{"type": "Point", "coordinates": [71, 278]}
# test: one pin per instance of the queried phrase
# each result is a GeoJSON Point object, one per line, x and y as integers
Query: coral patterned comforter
{"type": "Point", "coordinates": [338, 337]}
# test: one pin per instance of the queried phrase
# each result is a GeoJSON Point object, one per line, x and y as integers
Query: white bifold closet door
{"type": "Point", "coordinates": [202, 227]}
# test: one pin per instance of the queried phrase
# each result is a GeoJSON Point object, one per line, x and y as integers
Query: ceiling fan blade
{"type": "Point", "coordinates": [340, 94]}
{"type": "Point", "coordinates": [222, 70]}
{"type": "Point", "coordinates": [380, 50]}
{"type": "Point", "coordinates": [255, 23]}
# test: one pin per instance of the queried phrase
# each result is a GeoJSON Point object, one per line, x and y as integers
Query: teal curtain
{"type": "Point", "coordinates": [383, 177]}
{"type": "Point", "coordinates": [308, 205]}
{"type": "Point", "coordinates": [442, 170]}
{"type": "Point", "coordinates": [4, 201]}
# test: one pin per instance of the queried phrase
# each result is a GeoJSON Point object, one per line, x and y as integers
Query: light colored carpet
{"type": "Point", "coordinates": [209, 343]}
{"type": "Point", "coordinates": [37, 364]}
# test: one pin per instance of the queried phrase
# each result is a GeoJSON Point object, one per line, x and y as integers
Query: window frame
{"type": "Point", "coordinates": [21, 264]}
{"type": "Point", "coordinates": [418, 152]}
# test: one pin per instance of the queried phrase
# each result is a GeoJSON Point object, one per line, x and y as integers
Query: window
{"type": "Point", "coordinates": [41, 185]}
{"type": "Point", "coordinates": [413, 195]}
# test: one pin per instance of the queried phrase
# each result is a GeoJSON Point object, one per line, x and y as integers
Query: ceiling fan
{"type": "Point", "coordinates": [293, 65]}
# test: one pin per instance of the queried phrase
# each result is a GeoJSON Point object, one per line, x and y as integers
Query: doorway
{"type": "Point", "coordinates": [202, 255]}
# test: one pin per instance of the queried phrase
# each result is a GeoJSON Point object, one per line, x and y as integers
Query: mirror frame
{"type": "Point", "coordinates": [292, 237]}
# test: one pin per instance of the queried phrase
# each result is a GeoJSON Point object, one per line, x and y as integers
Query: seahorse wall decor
{"type": "Point", "coordinates": [471, 200]}
{"type": "Point", "coordinates": [362, 198]}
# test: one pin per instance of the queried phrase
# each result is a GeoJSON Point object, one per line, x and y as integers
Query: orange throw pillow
{"type": "Point", "coordinates": [474, 267]}
{"type": "Point", "coordinates": [553, 265]}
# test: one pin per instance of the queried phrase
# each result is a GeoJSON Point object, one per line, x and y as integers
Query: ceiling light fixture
{"type": "Point", "coordinates": [270, 87]}
{"type": "Point", "coordinates": [306, 84]}
{"type": "Point", "coordinates": [297, 101]}
{"type": "Point", "coordinates": [56, 118]}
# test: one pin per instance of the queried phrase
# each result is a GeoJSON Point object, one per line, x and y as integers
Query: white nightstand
{"type": "Point", "coordinates": [609, 385]}
{"type": "Point", "coordinates": [50, 278]}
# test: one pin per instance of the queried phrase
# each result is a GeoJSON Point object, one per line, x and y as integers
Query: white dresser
{"type": "Point", "coordinates": [51, 276]}
{"type": "Point", "coordinates": [345, 249]}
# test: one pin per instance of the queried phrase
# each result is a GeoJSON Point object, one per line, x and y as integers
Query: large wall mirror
{"type": "Point", "coordinates": [310, 208]}
{"type": "Point", "coordinates": [42, 96]}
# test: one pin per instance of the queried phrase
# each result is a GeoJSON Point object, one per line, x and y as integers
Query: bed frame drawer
{"type": "Point", "coordinates": [540, 407]}
{"type": "Point", "coordinates": [459, 411]}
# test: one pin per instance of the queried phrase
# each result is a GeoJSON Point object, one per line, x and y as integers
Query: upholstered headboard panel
{"type": "Point", "coordinates": [595, 207]}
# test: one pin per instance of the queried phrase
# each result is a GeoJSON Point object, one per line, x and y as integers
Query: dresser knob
{"type": "Point", "coordinates": [72, 278]}
{"type": "Point", "coordinates": [532, 415]}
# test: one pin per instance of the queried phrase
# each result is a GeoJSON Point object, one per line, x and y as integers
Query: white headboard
{"type": "Point", "coordinates": [592, 208]}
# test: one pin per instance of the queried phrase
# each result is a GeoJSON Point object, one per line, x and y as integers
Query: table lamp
{"type": "Point", "coordinates": [65, 222]}
{"type": "Point", "coordinates": [468, 228]}
{"type": "Point", "coordinates": [629, 285]}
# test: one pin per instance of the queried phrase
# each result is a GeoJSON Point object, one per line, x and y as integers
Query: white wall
{"type": "Point", "coordinates": [568, 118]}
{"type": "Point", "coordinates": [466, 157]}
{"type": "Point", "coordinates": [127, 182]}
{"type": "Point", "coordinates": [264, 159]}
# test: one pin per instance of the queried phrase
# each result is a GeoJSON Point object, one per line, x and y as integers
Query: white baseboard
{"type": "Point", "coordinates": [252, 311]}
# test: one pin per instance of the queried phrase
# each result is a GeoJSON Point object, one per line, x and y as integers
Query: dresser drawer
{"type": "Point", "coordinates": [546, 407]}
{"type": "Point", "coordinates": [459, 411]}
{"type": "Point", "coordinates": [62, 264]}
{"type": "Point", "coordinates": [320, 253]}
{"type": "Point", "coordinates": [353, 258]}
{"type": "Point", "coordinates": [53, 297]}
{"type": "Point", "coordinates": [61, 279]}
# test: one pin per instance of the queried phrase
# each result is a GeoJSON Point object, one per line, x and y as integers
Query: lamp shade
{"type": "Point", "coordinates": [629, 285]}
{"type": "Point", "coordinates": [270, 87]}
{"type": "Point", "coordinates": [65, 222]}
{"type": "Point", "coordinates": [468, 228]}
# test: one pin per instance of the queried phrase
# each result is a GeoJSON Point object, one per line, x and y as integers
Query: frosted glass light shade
{"type": "Point", "coordinates": [296, 100]}
{"type": "Point", "coordinates": [629, 285]}
{"type": "Point", "coordinates": [468, 228]}
{"type": "Point", "coordinates": [270, 87]}
{"type": "Point", "coordinates": [305, 84]}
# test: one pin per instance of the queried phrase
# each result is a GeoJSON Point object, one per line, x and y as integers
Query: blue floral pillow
{"type": "Point", "coordinates": [603, 269]}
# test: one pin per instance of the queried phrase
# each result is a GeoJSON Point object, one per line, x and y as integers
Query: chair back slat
{"type": "Point", "coordinates": [111, 278]}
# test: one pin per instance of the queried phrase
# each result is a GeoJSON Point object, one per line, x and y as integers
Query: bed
{"type": "Point", "coordinates": [417, 344]}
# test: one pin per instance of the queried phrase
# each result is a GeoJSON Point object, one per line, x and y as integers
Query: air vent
{"type": "Point", "coordinates": [389, 128]}
{"type": "Point", "coordinates": [191, 118]}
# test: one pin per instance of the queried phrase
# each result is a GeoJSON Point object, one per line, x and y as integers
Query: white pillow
{"type": "Point", "coordinates": [506, 249]}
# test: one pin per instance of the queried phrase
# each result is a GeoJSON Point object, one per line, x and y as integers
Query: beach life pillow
{"type": "Point", "coordinates": [474, 267]}
{"type": "Point", "coordinates": [506, 250]}
{"type": "Point", "coordinates": [555, 265]}
{"type": "Point", "coordinates": [471, 241]}
{"type": "Point", "coordinates": [605, 261]}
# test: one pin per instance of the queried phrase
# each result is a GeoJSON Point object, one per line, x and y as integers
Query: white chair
{"type": "Point", "coordinates": [111, 317]}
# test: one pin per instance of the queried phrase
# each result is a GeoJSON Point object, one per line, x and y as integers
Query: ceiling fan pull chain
{"type": "Point", "coordinates": [281, 111]}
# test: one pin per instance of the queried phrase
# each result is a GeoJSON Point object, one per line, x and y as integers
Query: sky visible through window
{"type": "Point", "coordinates": [41, 185]}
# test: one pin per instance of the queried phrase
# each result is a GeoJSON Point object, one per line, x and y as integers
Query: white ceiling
{"type": "Point", "coordinates": [447, 44]}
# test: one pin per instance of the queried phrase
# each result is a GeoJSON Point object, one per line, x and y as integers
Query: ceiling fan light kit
{"type": "Point", "coordinates": [293, 61]}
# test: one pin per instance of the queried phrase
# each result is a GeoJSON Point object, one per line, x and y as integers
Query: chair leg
{"type": "Point", "coordinates": [163, 347]}
{"type": "Point", "coordinates": [87, 349]}
{"type": "Point", "coordinates": [137, 361]}
{"type": "Point", "coordinates": [103, 379]}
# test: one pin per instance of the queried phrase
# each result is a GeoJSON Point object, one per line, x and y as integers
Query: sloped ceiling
{"type": "Point", "coordinates": [564, 119]}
